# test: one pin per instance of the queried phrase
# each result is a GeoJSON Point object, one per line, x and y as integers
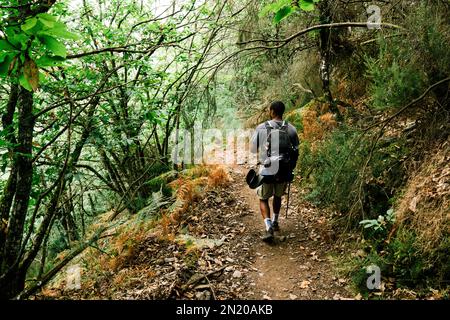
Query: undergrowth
{"type": "Point", "coordinates": [111, 262]}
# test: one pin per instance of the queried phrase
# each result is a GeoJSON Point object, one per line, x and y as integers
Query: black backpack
{"type": "Point", "coordinates": [281, 155]}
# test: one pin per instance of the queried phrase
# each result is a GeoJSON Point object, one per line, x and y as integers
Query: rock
{"type": "Point", "coordinates": [229, 268]}
{"type": "Point", "coordinates": [266, 297]}
{"type": "Point", "coordinates": [304, 284]}
{"type": "Point", "coordinates": [203, 295]}
{"type": "Point", "coordinates": [237, 274]}
{"type": "Point", "coordinates": [292, 296]}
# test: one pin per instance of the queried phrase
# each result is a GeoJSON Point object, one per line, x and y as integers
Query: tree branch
{"type": "Point", "coordinates": [285, 41]}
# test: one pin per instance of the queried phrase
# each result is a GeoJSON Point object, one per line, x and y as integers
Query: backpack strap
{"type": "Point", "coordinates": [268, 128]}
{"type": "Point", "coordinates": [269, 125]}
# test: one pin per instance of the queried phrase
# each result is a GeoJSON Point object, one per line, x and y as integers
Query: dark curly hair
{"type": "Point", "coordinates": [278, 108]}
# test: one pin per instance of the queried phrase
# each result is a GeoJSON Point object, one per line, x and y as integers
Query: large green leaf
{"type": "Point", "coordinates": [29, 24]}
{"type": "Point", "coordinates": [274, 7]}
{"type": "Point", "coordinates": [49, 61]}
{"type": "Point", "coordinates": [307, 5]}
{"type": "Point", "coordinates": [47, 20]}
{"type": "Point", "coordinates": [48, 24]}
{"type": "Point", "coordinates": [19, 40]}
{"type": "Point", "coordinates": [59, 31]}
{"type": "Point", "coordinates": [3, 55]}
{"type": "Point", "coordinates": [282, 13]}
{"type": "Point", "coordinates": [54, 46]}
{"type": "Point", "coordinates": [5, 63]}
{"type": "Point", "coordinates": [5, 45]}
{"type": "Point", "coordinates": [46, 16]}
{"type": "Point", "coordinates": [24, 83]}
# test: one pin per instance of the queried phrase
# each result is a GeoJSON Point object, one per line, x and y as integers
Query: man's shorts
{"type": "Point", "coordinates": [267, 190]}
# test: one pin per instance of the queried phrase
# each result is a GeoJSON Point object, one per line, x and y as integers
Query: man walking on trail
{"type": "Point", "coordinates": [276, 144]}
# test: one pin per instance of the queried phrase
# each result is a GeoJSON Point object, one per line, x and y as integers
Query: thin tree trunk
{"type": "Point", "coordinates": [10, 188]}
{"type": "Point", "coordinates": [16, 223]}
{"type": "Point", "coordinates": [325, 54]}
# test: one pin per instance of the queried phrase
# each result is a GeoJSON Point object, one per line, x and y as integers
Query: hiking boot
{"type": "Point", "coordinates": [275, 226]}
{"type": "Point", "coordinates": [268, 236]}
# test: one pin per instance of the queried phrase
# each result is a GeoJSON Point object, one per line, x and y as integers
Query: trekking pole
{"type": "Point", "coordinates": [287, 203]}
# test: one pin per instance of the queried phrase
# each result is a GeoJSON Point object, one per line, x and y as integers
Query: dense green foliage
{"type": "Point", "coordinates": [407, 64]}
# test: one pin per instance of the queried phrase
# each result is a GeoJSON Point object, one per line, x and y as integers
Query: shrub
{"type": "Point", "coordinates": [407, 64]}
{"type": "Point", "coordinates": [331, 170]}
{"type": "Point", "coordinates": [336, 174]}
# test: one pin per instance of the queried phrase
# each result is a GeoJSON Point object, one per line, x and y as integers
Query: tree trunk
{"type": "Point", "coordinates": [15, 280]}
{"type": "Point", "coordinates": [10, 188]}
{"type": "Point", "coordinates": [325, 54]}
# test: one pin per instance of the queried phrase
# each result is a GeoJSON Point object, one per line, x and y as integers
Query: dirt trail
{"type": "Point", "coordinates": [297, 265]}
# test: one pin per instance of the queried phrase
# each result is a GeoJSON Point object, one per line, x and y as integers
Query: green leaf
{"type": "Point", "coordinates": [48, 24]}
{"type": "Point", "coordinates": [24, 83]}
{"type": "Point", "coordinates": [273, 7]}
{"type": "Point", "coordinates": [5, 63]}
{"type": "Point", "coordinates": [42, 77]}
{"type": "Point", "coordinates": [46, 16]}
{"type": "Point", "coordinates": [307, 5]}
{"type": "Point", "coordinates": [3, 56]}
{"type": "Point", "coordinates": [29, 24]}
{"type": "Point", "coordinates": [5, 45]}
{"type": "Point", "coordinates": [49, 61]}
{"type": "Point", "coordinates": [19, 40]}
{"type": "Point", "coordinates": [54, 46]}
{"type": "Point", "coordinates": [282, 13]}
{"type": "Point", "coordinates": [59, 30]}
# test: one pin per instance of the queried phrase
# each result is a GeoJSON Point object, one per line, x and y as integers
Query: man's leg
{"type": "Point", "coordinates": [276, 204]}
{"type": "Point", "coordinates": [265, 192]}
{"type": "Point", "coordinates": [265, 212]}
{"type": "Point", "coordinates": [264, 208]}
{"type": "Point", "coordinates": [278, 193]}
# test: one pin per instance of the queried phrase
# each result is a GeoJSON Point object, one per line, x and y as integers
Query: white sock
{"type": "Point", "coordinates": [275, 217]}
{"type": "Point", "coordinates": [268, 223]}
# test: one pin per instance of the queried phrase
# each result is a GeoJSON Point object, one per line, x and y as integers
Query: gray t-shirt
{"type": "Point", "coordinates": [259, 137]}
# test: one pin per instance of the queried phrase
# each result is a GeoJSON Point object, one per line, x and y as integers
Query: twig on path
{"type": "Point", "coordinates": [190, 283]}
{"type": "Point", "coordinates": [212, 289]}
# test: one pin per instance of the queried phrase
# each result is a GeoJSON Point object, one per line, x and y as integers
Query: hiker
{"type": "Point", "coordinates": [276, 144]}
